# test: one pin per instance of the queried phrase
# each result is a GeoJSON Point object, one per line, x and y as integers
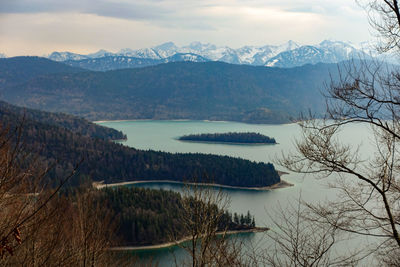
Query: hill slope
{"type": "Point", "coordinates": [60, 120]}
{"type": "Point", "coordinates": [22, 69]}
{"type": "Point", "coordinates": [183, 90]}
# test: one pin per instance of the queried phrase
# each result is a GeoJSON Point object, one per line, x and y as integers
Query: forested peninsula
{"type": "Point", "coordinates": [231, 137]}
{"type": "Point", "coordinates": [150, 217]}
{"type": "Point", "coordinates": [63, 145]}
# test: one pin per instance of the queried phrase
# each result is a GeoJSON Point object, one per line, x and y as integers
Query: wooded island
{"type": "Point", "coordinates": [231, 137]}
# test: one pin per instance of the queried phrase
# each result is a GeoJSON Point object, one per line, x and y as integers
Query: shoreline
{"type": "Point", "coordinates": [177, 120]}
{"type": "Point", "coordinates": [281, 184]}
{"type": "Point", "coordinates": [105, 121]}
{"type": "Point", "coordinates": [175, 243]}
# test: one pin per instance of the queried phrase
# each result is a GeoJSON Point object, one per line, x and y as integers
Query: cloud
{"type": "Point", "coordinates": [171, 10]}
{"type": "Point", "coordinates": [117, 9]}
{"type": "Point", "coordinates": [113, 24]}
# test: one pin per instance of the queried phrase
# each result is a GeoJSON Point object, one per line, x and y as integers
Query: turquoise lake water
{"type": "Point", "coordinates": [161, 136]}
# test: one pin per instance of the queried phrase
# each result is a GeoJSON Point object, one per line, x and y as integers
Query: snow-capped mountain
{"type": "Point", "coordinates": [325, 52]}
{"type": "Point", "coordinates": [207, 50]}
{"type": "Point", "coordinates": [123, 62]}
{"type": "Point", "coordinates": [112, 63]}
{"type": "Point", "coordinates": [289, 54]}
{"type": "Point", "coordinates": [250, 55]}
{"type": "Point", "coordinates": [63, 56]}
{"type": "Point", "coordinates": [140, 53]}
{"type": "Point", "coordinates": [166, 50]}
{"type": "Point", "coordinates": [185, 57]}
{"type": "Point", "coordinates": [100, 53]}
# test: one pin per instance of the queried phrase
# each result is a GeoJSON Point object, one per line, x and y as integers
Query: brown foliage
{"type": "Point", "coordinates": [41, 227]}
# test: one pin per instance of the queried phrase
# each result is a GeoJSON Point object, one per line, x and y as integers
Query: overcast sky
{"type": "Point", "coordinates": [38, 27]}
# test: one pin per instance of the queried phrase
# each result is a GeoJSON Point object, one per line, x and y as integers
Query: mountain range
{"type": "Point", "coordinates": [124, 62]}
{"type": "Point", "coordinates": [287, 55]}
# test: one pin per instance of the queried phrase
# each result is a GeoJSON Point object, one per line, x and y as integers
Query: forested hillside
{"type": "Point", "coordinates": [74, 124]}
{"type": "Point", "coordinates": [182, 90]}
{"type": "Point", "coordinates": [21, 69]}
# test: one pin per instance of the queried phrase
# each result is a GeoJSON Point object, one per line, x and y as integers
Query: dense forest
{"type": "Point", "coordinates": [148, 216]}
{"type": "Point", "coordinates": [41, 226]}
{"type": "Point", "coordinates": [66, 121]}
{"type": "Point", "coordinates": [180, 90]}
{"type": "Point", "coordinates": [61, 148]}
{"type": "Point", "coordinates": [231, 137]}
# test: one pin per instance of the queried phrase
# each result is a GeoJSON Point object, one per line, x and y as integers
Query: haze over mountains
{"type": "Point", "coordinates": [287, 55]}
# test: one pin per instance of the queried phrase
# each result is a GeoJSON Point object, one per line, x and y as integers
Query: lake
{"type": "Point", "coordinates": [162, 135]}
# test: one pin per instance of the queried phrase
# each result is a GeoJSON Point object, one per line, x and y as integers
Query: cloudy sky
{"type": "Point", "coordinates": [38, 27]}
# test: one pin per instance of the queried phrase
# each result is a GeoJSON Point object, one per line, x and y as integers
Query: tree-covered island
{"type": "Point", "coordinates": [231, 137]}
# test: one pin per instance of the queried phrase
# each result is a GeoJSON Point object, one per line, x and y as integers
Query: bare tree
{"type": "Point", "coordinates": [205, 225]}
{"type": "Point", "coordinates": [384, 17]}
{"type": "Point", "coordinates": [22, 197]}
{"type": "Point", "coordinates": [93, 229]}
{"type": "Point", "coordinates": [368, 182]}
{"type": "Point", "coordinates": [297, 238]}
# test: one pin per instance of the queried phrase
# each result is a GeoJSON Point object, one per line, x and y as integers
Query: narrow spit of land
{"type": "Point", "coordinates": [175, 243]}
{"type": "Point", "coordinates": [281, 184]}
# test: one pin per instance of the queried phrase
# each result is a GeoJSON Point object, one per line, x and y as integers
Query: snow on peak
{"type": "Point", "coordinates": [327, 51]}
{"type": "Point", "coordinates": [167, 45]}
{"type": "Point", "coordinates": [285, 55]}
{"type": "Point", "coordinates": [100, 53]}
{"type": "Point", "coordinates": [140, 53]}
{"type": "Point", "coordinates": [198, 46]}
{"type": "Point", "coordinates": [166, 49]}
{"type": "Point", "coordinates": [289, 45]}
{"type": "Point", "coordinates": [64, 56]}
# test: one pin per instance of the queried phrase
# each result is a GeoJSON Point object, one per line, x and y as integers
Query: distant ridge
{"type": "Point", "coordinates": [22, 69]}
{"type": "Point", "coordinates": [177, 90]}
{"type": "Point", "coordinates": [123, 62]}
{"type": "Point", "coordinates": [287, 55]}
